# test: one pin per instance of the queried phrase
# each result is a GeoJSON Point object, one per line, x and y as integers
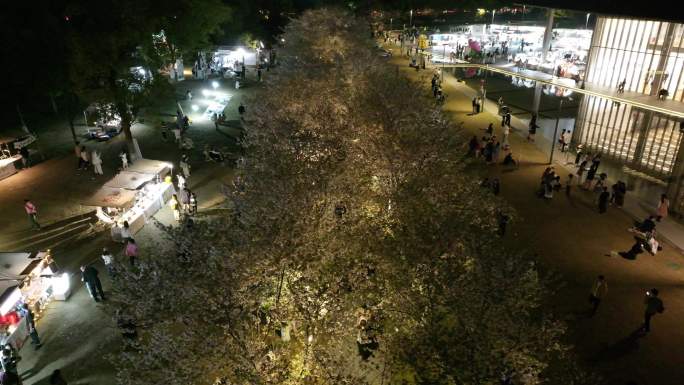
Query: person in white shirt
{"type": "Point", "coordinates": [97, 162]}
{"type": "Point", "coordinates": [107, 258]}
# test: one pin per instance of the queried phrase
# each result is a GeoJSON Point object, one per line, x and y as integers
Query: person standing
{"type": "Point", "coordinates": [77, 152]}
{"type": "Point", "coordinates": [490, 129]}
{"type": "Point", "coordinates": [565, 140]}
{"type": "Point", "coordinates": [653, 305]}
{"type": "Point", "coordinates": [241, 111]}
{"type": "Point", "coordinates": [97, 162]}
{"type": "Point", "coordinates": [89, 275]}
{"type": "Point", "coordinates": [193, 203]}
{"type": "Point", "coordinates": [108, 260]}
{"type": "Point", "coordinates": [603, 200]}
{"type": "Point", "coordinates": [474, 103]}
{"type": "Point", "coordinates": [124, 160]}
{"type": "Point", "coordinates": [31, 326]}
{"type": "Point", "coordinates": [25, 157]}
{"type": "Point", "coordinates": [131, 251]}
{"type": "Point", "coordinates": [598, 292]}
{"type": "Point", "coordinates": [663, 207]}
{"type": "Point", "coordinates": [32, 212]}
{"type": "Point", "coordinates": [84, 157]}
{"type": "Point", "coordinates": [175, 207]}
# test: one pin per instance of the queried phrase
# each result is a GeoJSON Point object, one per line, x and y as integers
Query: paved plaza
{"type": "Point", "coordinates": [570, 237]}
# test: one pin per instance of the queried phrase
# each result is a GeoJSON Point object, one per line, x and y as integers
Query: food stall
{"type": "Point", "coordinates": [9, 153]}
{"type": "Point", "coordinates": [27, 278]}
{"type": "Point", "coordinates": [133, 196]}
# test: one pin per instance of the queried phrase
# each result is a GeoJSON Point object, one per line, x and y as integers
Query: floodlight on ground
{"type": "Point", "coordinates": [195, 107]}
{"type": "Point", "coordinates": [205, 93]}
{"type": "Point", "coordinates": [215, 84]}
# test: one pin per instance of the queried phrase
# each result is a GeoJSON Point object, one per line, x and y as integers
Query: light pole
{"type": "Point", "coordinates": [411, 19]}
{"type": "Point", "coordinates": [555, 131]}
{"type": "Point", "coordinates": [586, 23]}
{"type": "Point", "coordinates": [390, 23]}
{"type": "Point", "coordinates": [493, 13]}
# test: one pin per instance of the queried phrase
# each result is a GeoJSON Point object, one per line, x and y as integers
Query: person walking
{"type": "Point", "coordinates": [32, 212]}
{"type": "Point", "coordinates": [31, 326]}
{"type": "Point", "coordinates": [663, 207]}
{"type": "Point", "coordinates": [89, 275]}
{"type": "Point", "coordinates": [532, 128]}
{"type": "Point", "coordinates": [97, 162]}
{"type": "Point", "coordinates": [506, 132]}
{"type": "Point", "coordinates": [598, 292]}
{"type": "Point", "coordinates": [621, 86]}
{"type": "Point", "coordinates": [185, 165]}
{"type": "Point", "coordinates": [108, 260]}
{"type": "Point", "coordinates": [181, 181]}
{"type": "Point", "coordinates": [131, 251]}
{"type": "Point", "coordinates": [568, 185]}
{"type": "Point", "coordinates": [653, 305]}
{"type": "Point", "coordinates": [56, 378]}
{"type": "Point", "coordinates": [474, 103]}
{"type": "Point", "coordinates": [603, 200]}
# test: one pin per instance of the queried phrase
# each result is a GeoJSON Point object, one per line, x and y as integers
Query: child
{"type": "Point", "coordinates": [193, 203]}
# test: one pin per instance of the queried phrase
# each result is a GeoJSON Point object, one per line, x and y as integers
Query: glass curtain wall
{"type": "Point", "coordinates": [644, 54]}
{"type": "Point", "coordinates": [641, 52]}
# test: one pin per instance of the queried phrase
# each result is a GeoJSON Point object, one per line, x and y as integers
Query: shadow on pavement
{"type": "Point", "coordinates": [620, 348]}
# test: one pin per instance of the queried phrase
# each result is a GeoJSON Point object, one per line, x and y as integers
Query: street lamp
{"type": "Point", "coordinates": [411, 18]}
{"type": "Point", "coordinates": [215, 84]}
{"type": "Point", "coordinates": [555, 131]}
{"type": "Point", "coordinates": [493, 13]}
{"type": "Point", "coordinates": [586, 24]}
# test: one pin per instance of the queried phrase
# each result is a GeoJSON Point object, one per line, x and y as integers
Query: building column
{"type": "Point", "coordinates": [675, 186]}
{"type": "Point", "coordinates": [641, 127]}
{"type": "Point", "coordinates": [546, 45]}
{"type": "Point", "coordinates": [658, 78]}
{"type": "Point", "coordinates": [537, 97]}
{"type": "Point", "coordinates": [548, 33]}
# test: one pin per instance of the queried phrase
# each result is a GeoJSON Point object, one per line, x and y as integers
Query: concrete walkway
{"type": "Point", "coordinates": [570, 237]}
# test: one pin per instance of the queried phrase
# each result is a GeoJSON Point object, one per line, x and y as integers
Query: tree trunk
{"type": "Point", "coordinates": [71, 115]}
{"type": "Point", "coordinates": [126, 129]}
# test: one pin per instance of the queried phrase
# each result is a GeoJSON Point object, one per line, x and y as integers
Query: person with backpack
{"type": "Point", "coordinates": [654, 305]}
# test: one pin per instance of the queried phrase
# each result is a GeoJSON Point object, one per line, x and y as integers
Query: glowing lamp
{"type": "Point", "coordinates": [11, 300]}
{"type": "Point", "coordinates": [214, 84]}
{"type": "Point", "coordinates": [205, 93]}
{"type": "Point", "coordinates": [195, 107]}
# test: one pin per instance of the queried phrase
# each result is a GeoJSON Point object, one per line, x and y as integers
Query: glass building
{"type": "Point", "coordinates": [648, 57]}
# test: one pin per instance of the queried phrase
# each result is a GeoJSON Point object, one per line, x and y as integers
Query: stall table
{"type": "Point", "coordinates": [7, 166]}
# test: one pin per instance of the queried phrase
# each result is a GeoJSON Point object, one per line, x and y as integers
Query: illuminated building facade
{"type": "Point", "coordinates": [648, 56]}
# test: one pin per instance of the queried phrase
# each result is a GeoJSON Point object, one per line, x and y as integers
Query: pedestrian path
{"type": "Point", "coordinates": [570, 237]}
